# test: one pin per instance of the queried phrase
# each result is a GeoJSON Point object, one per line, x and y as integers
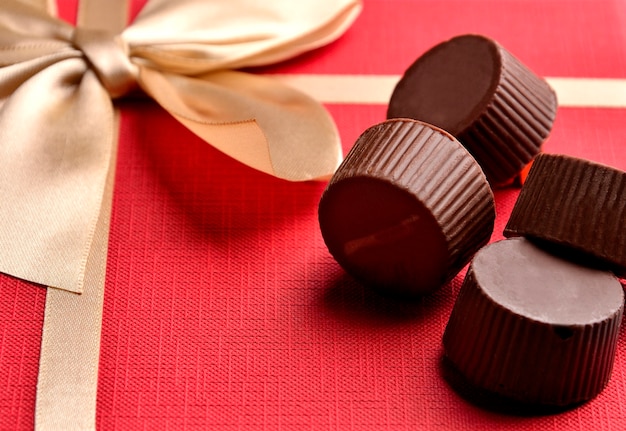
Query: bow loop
{"type": "Point", "coordinates": [107, 54]}
{"type": "Point", "coordinates": [194, 37]}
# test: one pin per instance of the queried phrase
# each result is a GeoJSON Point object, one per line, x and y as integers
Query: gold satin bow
{"type": "Point", "coordinates": [57, 83]}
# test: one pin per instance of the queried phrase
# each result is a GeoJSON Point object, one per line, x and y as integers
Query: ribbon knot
{"type": "Point", "coordinates": [107, 54]}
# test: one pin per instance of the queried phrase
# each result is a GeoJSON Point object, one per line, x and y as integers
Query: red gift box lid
{"type": "Point", "coordinates": [223, 308]}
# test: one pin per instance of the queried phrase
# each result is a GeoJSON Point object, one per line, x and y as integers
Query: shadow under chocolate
{"type": "Point", "coordinates": [345, 298]}
{"type": "Point", "coordinates": [574, 254]}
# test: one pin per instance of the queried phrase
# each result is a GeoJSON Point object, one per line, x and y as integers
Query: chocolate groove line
{"type": "Point", "coordinates": [377, 89]}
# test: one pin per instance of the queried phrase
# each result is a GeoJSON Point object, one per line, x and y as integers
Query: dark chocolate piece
{"type": "Point", "coordinates": [473, 88]}
{"type": "Point", "coordinates": [407, 209]}
{"type": "Point", "coordinates": [577, 207]}
{"type": "Point", "coordinates": [533, 327]}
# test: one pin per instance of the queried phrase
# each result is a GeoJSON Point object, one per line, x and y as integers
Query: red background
{"type": "Point", "coordinates": [223, 308]}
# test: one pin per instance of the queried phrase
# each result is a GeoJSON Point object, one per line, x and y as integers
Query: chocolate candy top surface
{"type": "Point", "coordinates": [383, 233]}
{"type": "Point", "coordinates": [450, 85]}
{"type": "Point", "coordinates": [538, 285]}
{"type": "Point", "coordinates": [407, 208]}
{"type": "Point", "coordinates": [476, 90]}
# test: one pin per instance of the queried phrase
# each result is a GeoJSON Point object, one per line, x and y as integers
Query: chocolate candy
{"type": "Point", "coordinates": [576, 207]}
{"type": "Point", "coordinates": [473, 88]}
{"type": "Point", "coordinates": [407, 209]}
{"type": "Point", "coordinates": [533, 327]}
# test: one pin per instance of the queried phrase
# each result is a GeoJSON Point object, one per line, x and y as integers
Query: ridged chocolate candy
{"type": "Point", "coordinates": [473, 88]}
{"type": "Point", "coordinates": [575, 206]}
{"type": "Point", "coordinates": [407, 209]}
{"type": "Point", "coordinates": [533, 327]}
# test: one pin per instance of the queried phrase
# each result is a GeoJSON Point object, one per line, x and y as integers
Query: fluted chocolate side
{"type": "Point", "coordinates": [577, 204]}
{"type": "Point", "coordinates": [509, 133]}
{"type": "Point", "coordinates": [437, 171]}
{"type": "Point", "coordinates": [525, 359]}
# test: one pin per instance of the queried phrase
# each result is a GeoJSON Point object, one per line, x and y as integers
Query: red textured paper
{"type": "Point", "coordinates": [223, 308]}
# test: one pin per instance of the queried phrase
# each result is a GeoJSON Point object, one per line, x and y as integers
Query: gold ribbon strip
{"type": "Point", "coordinates": [377, 89]}
{"type": "Point", "coordinates": [67, 384]}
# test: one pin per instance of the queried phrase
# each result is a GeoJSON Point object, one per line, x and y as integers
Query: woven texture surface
{"type": "Point", "coordinates": [223, 308]}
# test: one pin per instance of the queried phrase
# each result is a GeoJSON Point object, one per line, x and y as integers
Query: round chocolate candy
{"type": "Point", "coordinates": [574, 206]}
{"type": "Point", "coordinates": [407, 209]}
{"type": "Point", "coordinates": [473, 88]}
{"type": "Point", "coordinates": [533, 327]}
